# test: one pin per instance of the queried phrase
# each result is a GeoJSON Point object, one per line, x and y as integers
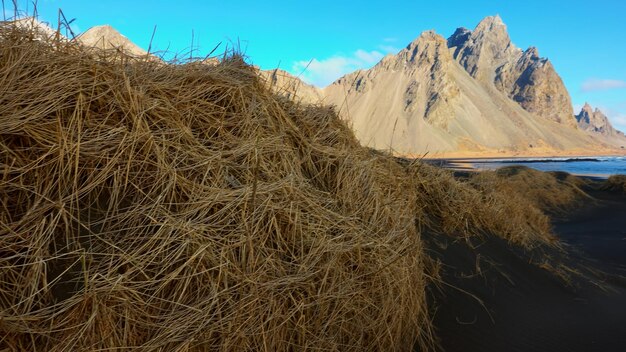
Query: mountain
{"type": "Point", "coordinates": [472, 93]}
{"type": "Point", "coordinates": [106, 37]}
{"type": "Point", "coordinates": [291, 87]}
{"type": "Point", "coordinates": [434, 96]}
{"type": "Point", "coordinates": [595, 122]}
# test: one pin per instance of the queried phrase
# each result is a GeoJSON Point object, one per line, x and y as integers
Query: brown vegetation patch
{"type": "Point", "coordinates": [550, 192]}
{"type": "Point", "coordinates": [616, 183]}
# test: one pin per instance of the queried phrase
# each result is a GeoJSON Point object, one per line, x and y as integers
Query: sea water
{"type": "Point", "coordinates": [591, 166]}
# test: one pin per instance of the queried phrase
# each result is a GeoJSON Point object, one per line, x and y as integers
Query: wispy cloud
{"type": "Point", "coordinates": [389, 49]}
{"type": "Point", "coordinates": [602, 84]}
{"type": "Point", "coordinates": [321, 72]}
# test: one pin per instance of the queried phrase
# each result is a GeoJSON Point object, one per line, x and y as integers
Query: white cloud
{"type": "Point", "coordinates": [369, 58]}
{"type": "Point", "coordinates": [602, 84]}
{"type": "Point", "coordinates": [323, 72]}
{"type": "Point", "coordinates": [389, 49]}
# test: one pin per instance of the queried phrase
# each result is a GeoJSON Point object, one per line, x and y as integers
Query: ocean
{"type": "Point", "coordinates": [591, 166]}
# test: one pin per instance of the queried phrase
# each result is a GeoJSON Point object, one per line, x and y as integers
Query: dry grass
{"type": "Point", "coordinates": [187, 207]}
{"type": "Point", "coordinates": [615, 183]}
{"type": "Point", "coordinates": [550, 192]}
{"type": "Point", "coordinates": [482, 205]}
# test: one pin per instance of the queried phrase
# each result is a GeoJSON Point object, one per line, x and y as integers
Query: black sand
{"type": "Point", "coordinates": [524, 307]}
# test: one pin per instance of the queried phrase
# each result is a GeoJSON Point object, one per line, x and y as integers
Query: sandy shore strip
{"type": "Point", "coordinates": [469, 164]}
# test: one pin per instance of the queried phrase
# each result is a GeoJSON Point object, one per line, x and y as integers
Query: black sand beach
{"type": "Point", "coordinates": [495, 301]}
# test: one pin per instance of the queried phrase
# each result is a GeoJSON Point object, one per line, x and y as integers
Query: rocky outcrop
{"type": "Point", "coordinates": [484, 49]}
{"type": "Point", "coordinates": [429, 90]}
{"type": "Point", "coordinates": [489, 56]}
{"type": "Point", "coordinates": [107, 38]}
{"type": "Point", "coordinates": [405, 102]}
{"type": "Point", "coordinates": [595, 121]}
{"type": "Point", "coordinates": [290, 86]}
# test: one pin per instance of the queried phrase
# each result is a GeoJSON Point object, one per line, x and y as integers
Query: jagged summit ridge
{"type": "Point", "coordinates": [427, 48]}
{"type": "Point", "coordinates": [484, 48]}
{"type": "Point", "coordinates": [488, 54]}
{"type": "Point", "coordinates": [595, 121]}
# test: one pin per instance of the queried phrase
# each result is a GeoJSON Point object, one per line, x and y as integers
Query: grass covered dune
{"type": "Point", "coordinates": [188, 207]}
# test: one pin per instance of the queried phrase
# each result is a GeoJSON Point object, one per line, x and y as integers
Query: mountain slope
{"type": "Point", "coordinates": [291, 87]}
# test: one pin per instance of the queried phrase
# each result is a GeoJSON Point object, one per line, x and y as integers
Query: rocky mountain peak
{"type": "Point", "coordinates": [106, 37]}
{"type": "Point", "coordinates": [429, 47]}
{"type": "Point", "coordinates": [595, 121]}
{"type": "Point", "coordinates": [491, 24]}
{"type": "Point", "coordinates": [425, 39]}
{"type": "Point", "coordinates": [460, 36]}
{"type": "Point", "coordinates": [490, 57]}
{"type": "Point", "coordinates": [485, 48]}
{"type": "Point", "coordinates": [587, 109]}
{"type": "Point", "coordinates": [472, 91]}
{"type": "Point", "coordinates": [532, 52]}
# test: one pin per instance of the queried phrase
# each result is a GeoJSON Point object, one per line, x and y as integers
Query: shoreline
{"type": "Point", "coordinates": [469, 164]}
{"type": "Point", "coordinates": [514, 155]}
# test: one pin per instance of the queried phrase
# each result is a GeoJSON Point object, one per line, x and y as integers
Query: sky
{"type": "Point", "coordinates": [321, 40]}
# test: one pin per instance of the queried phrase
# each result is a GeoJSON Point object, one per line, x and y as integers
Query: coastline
{"type": "Point", "coordinates": [471, 164]}
{"type": "Point", "coordinates": [575, 153]}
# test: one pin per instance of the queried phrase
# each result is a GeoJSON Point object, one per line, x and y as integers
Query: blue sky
{"type": "Point", "coordinates": [585, 40]}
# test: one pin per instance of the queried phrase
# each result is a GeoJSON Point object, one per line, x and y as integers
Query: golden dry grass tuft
{"type": "Point", "coordinates": [187, 207]}
{"type": "Point", "coordinates": [526, 196]}
{"type": "Point", "coordinates": [549, 192]}
{"type": "Point", "coordinates": [616, 183]}
{"type": "Point", "coordinates": [482, 205]}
